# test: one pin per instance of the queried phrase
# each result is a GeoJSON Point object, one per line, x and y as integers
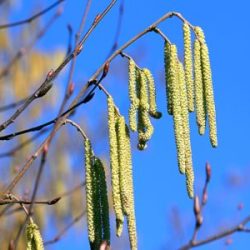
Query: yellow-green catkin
{"type": "Point", "coordinates": [124, 168]}
{"type": "Point", "coordinates": [34, 238]}
{"type": "Point", "coordinates": [188, 63]}
{"type": "Point", "coordinates": [199, 89]}
{"type": "Point", "coordinates": [167, 47]}
{"type": "Point", "coordinates": [152, 95]}
{"type": "Point", "coordinates": [208, 87]}
{"type": "Point", "coordinates": [102, 200]}
{"type": "Point", "coordinates": [209, 95]}
{"type": "Point", "coordinates": [114, 163]}
{"type": "Point", "coordinates": [89, 191]}
{"type": "Point", "coordinates": [186, 132]}
{"type": "Point", "coordinates": [134, 101]}
{"type": "Point", "coordinates": [131, 220]}
{"type": "Point", "coordinates": [132, 231]}
{"type": "Point", "coordinates": [145, 128]}
{"type": "Point", "coordinates": [177, 109]}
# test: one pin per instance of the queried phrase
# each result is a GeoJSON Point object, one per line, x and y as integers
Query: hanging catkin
{"type": "Point", "coordinates": [177, 111]}
{"type": "Point", "coordinates": [188, 65]}
{"type": "Point", "coordinates": [199, 89]}
{"type": "Point", "coordinates": [134, 101]}
{"type": "Point", "coordinates": [186, 131]}
{"type": "Point", "coordinates": [114, 163]}
{"type": "Point", "coordinates": [89, 192]}
{"type": "Point", "coordinates": [152, 95]}
{"type": "Point", "coordinates": [167, 47]}
{"type": "Point", "coordinates": [208, 86]}
{"type": "Point", "coordinates": [102, 199]}
{"type": "Point", "coordinates": [124, 168]}
{"type": "Point", "coordinates": [145, 128]}
{"type": "Point", "coordinates": [131, 216]}
{"type": "Point", "coordinates": [34, 238]}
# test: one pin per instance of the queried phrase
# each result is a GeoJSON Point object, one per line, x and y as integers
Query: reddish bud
{"type": "Point", "coordinates": [79, 49]}
{"type": "Point", "coordinates": [71, 88]}
{"type": "Point", "coordinates": [208, 172]}
{"type": "Point", "coordinates": [204, 198]}
{"type": "Point", "coordinates": [104, 246]}
{"type": "Point", "coordinates": [197, 208]}
{"type": "Point", "coordinates": [50, 74]}
{"type": "Point", "coordinates": [105, 69]}
{"type": "Point", "coordinates": [199, 220]}
{"type": "Point", "coordinates": [97, 18]}
{"type": "Point", "coordinates": [45, 148]}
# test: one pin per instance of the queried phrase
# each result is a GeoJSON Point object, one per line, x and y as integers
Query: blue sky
{"type": "Point", "coordinates": [159, 188]}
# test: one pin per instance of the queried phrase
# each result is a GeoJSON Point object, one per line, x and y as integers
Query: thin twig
{"type": "Point", "coordinates": [64, 230]}
{"type": "Point", "coordinates": [32, 18]}
{"type": "Point", "coordinates": [238, 228]}
{"type": "Point", "coordinates": [24, 50]}
{"type": "Point", "coordinates": [50, 202]}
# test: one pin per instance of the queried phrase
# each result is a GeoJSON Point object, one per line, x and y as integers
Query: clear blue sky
{"type": "Point", "coordinates": [159, 188]}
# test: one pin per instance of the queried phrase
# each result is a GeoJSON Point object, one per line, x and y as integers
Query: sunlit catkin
{"type": "Point", "coordinates": [89, 191]}
{"type": "Point", "coordinates": [134, 101]}
{"type": "Point", "coordinates": [103, 200]}
{"type": "Point", "coordinates": [124, 168]}
{"type": "Point", "coordinates": [34, 238]}
{"type": "Point", "coordinates": [199, 89]}
{"type": "Point", "coordinates": [132, 231]}
{"type": "Point", "coordinates": [167, 47]}
{"type": "Point", "coordinates": [152, 95]}
{"type": "Point", "coordinates": [209, 95]}
{"type": "Point", "coordinates": [177, 110]}
{"type": "Point", "coordinates": [188, 65]}
{"type": "Point", "coordinates": [186, 131]}
{"type": "Point", "coordinates": [114, 163]}
{"type": "Point", "coordinates": [145, 128]}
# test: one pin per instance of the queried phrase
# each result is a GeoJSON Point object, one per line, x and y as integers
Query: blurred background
{"type": "Point", "coordinates": [164, 212]}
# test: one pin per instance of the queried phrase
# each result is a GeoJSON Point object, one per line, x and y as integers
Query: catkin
{"type": "Point", "coordinates": [167, 47]}
{"type": "Point", "coordinates": [186, 131]}
{"type": "Point", "coordinates": [145, 128]}
{"type": "Point", "coordinates": [124, 168]}
{"type": "Point", "coordinates": [114, 163]}
{"type": "Point", "coordinates": [132, 231]}
{"type": "Point", "coordinates": [209, 95]}
{"type": "Point", "coordinates": [34, 238]}
{"type": "Point", "coordinates": [89, 191]}
{"type": "Point", "coordinates": [208, 87]}
{"type": "Point", "coordinates": [102, 199]}
{"type": "Point", "coordinates": [134, 101]}
{"type": "Point", "coordinates": [152, 95]}
{"type": "Point", "coordinates": [177, 110]}
{"type": "Point", "coordinates": [188, 65]}
{"type": "Point", "coordinates": [199, 89]}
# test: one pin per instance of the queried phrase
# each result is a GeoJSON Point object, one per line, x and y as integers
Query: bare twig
{"type": "Point", "coordinates": [32, 18]}
{"type": "Point", "coordinates": [238, 228]}
{"type": "Point", "coordinates": [64, 230]}
{"type": "Point", "coordinates": [50, 202]}
{"type": "Point", "coordinates": [22, 51]}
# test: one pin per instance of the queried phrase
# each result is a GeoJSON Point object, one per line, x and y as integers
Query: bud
{"type": "Point", "coordinates": [208, 172]}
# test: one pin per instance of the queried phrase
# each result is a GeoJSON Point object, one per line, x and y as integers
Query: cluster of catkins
{"type": "Point", "coordinates": [187, 92]}
{"type": "Point", "coordinates": [189, 88]}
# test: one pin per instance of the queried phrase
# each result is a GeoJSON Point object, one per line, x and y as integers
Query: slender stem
{"type": "Point", "coordinates": [32, 18]}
